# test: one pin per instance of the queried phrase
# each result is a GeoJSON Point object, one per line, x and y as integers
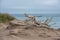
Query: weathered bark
{"type": "Point", "coordinates": [33, 18]}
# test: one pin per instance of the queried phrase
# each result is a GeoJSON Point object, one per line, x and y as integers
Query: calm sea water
{"type": "Point", "coordinates": [56, 18]}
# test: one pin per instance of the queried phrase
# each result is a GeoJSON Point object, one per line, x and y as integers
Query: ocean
{"type": "Point", "coordinates": [55, 18]}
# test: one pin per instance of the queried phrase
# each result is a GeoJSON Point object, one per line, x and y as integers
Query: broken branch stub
{"type": "Point", "coordinates": [47, 21]}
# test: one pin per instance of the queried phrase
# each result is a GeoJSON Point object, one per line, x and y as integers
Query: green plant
{"type": "Point", "coordinates": [5, 18]}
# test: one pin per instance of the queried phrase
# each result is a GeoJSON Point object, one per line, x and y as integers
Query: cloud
{"type": "Point", "coordinates": [31, 5]}
{"type": "Point", "coordinates": [50, 2]}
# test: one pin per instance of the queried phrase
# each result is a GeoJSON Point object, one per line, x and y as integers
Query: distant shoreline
{"type": "Point", "coordinates": [46, 15]}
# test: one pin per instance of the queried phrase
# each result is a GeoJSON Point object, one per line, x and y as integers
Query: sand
{"type": "Point", "coordinates": [29, 34]}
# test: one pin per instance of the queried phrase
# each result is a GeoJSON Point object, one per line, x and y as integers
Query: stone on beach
{"type": "Point", "coordinates": [2, 26]}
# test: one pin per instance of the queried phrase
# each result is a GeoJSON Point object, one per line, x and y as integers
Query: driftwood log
{"type": "Point", "coordinates": [33, 19]}
{"type": "Point", "coordinates": [40, 24]}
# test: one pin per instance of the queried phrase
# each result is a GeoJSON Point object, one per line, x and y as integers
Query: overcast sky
{"type": "Point", "coordinates": [30, 6]}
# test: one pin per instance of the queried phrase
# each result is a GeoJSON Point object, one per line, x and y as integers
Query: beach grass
{"type": "Point", "coordinates": [5, 18]}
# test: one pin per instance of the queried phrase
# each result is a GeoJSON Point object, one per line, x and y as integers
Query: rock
{"type": "Point", "coordinates": [18, 22]}
{"type": "Point", "coordinates": [2, 26]}
{"type": "Point", "coordinates": [14, 31]}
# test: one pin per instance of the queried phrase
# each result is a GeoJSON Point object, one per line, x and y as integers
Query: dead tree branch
{"type": "Point", "coordinates": [48, 21]}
